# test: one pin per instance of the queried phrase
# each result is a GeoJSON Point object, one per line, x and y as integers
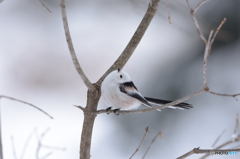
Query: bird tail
{"type": "Point", "coordinates": [150, 106]}
{"type": "Point", "coordinates": [161, 102]}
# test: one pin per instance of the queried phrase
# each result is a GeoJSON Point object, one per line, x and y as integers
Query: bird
{"type": "Point", "coordinates": [118, 92]}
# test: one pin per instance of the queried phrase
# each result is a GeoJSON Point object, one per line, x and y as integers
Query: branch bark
{"type": "Point", "coordinates": [71, 48]}
{"type": "Point", "coordinates": [133, 43]}
{"type": "Point", "coordinates": [206, 151]}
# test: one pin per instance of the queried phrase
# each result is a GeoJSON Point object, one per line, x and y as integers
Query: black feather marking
{"type": "Point", "coordinates": [141, 98]}
{"type": "Point", "coordinates": [129, 84]}
{"type": "Point", "coordinates": [132, 94]}
{"type": "Point", "coordinates": [160, 101]}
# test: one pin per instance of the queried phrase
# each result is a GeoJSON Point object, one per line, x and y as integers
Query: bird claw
{"type": "Point", "coordinates": [116, 111]}
{"type": "Point", "coordinates": [108, 109]}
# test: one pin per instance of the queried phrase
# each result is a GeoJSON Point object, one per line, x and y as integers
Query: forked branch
{"type": "Point", "coordinates": [71, 48]}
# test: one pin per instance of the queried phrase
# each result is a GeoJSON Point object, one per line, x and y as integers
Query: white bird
{"type": "Point", "coordinates": [119, 92]}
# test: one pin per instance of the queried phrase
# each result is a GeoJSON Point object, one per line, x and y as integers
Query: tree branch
{"type": "Point", "coordinates": [207, 151]}
{"type": "Point", "coordinates": [44, 6]}
{"type": "Point", "coordinates": [205, 59]}
{"type": "Point", "coordinates": [3, 96]}
{"type": "Point", "coordinates": [140, 142]}
{"type": "Point", "coordinates": [80, 107]}
{"type": "Point", "coordinates": [195, 19]}
{"type": "Point", "coordinates": [71, 48]}
{"type": "Point", "coordinates": [133, 43]}
{"type": "Point", "coordinates": [154, 139]}
{"type": "Point", "coordinates": [225, 95]}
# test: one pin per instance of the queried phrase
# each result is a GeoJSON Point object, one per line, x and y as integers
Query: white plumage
{"type": "Point", "coordinates": [119, 92]}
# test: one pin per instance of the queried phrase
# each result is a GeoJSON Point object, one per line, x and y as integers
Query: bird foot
{"type": "Point", "coordinates": [108, 109]}
{"type": "Point", "coordinates": [116, 111]}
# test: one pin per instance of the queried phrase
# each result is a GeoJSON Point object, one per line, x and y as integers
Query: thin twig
{"type": "Point", "coordinates": [40, 141]}
{"type": "Point", "coordinates": [26, 144]}
{"type": "Point", "coordinates": [140, 142]}
{"type": "Point", "coordinates": [236, 124]}
{"type": "Point", "coordinates": [155, 108]}
{"type": "Point", "coordinates": [13, 148]}
{"type": "Point", "coordinates": [207, 151]}
{"type": "Point", "coordinates": [225, 95]}
{"type": "Point", "coordinates": [223, 145]}
{"type": "Point", "coordinates": [199, 5]}
{"type": "Point", "coordinates": [217, 30]}
{"type": "Point", "coordinates": [133, 43]}
{"type": "Point", "coordinates": [215, 142]}
{"type": "Point", "coordinates": [154, 139]}
{"type": "Point", "coordinates": [196, 22]}
{"type": "Point", "coordinates": [40, 145]}
{"type": "Point", "coordinates": [71, 48]}
{"type": "Point", "coordinates": [44, 6]}
{"type": "Point", "coordinates": [3, 96]}
{"type": "Point", "coordinates": [80, 107]}
{"type": "Point", "coordinates": [169, 20]}
{"type": "Point", "coordinates": [206, 52]}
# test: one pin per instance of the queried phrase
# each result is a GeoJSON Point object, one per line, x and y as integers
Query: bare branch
{"type": "Point", "coordinates": [3, 96]}
{"type": "Point", "coordinates": [199, 5]}
{"type": "Point", "coordinates": [169, 20]}
{"type": "Point", "coordinates": [133, 43]}
{"type": "Point", "coordinates": [223, 145]}
{"type": "Point", "coordinates": [217, 30]}
{"type": "Point", "coordinates": [207, 151]}
{"type": "Point", "coordinates": [44, 6]}
{"type": "Point", "coordinates": [225, 95]}
{"type": "Point", "coordinates": [40, 145]}
{"type": "Point", "coordinates": [236, 124]}
{"type": "Point", "coordinates": [206, 52]}
{"type": "Point", "coordinates": [26, 144]}
{"type": "Point", "coordinates": [140, 142]}
{"type": "Point", "coordinates": [13, 148]}
{"type": "Point", "coordinates": [196, 22]}
{"type": "Point", "coordinates": [71, 48]}
{"type": "Point", "coordinates": [154, 139]}
{"type": "Point", "coordinates": [80, 107]}
{"type": "Point", "coordinates": [155, 108]}
{"type": "Point", "coordinates": [215, 142]}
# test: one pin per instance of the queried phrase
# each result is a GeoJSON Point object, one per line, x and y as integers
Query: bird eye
{"type": "Point", "coordinates": [120, 76]}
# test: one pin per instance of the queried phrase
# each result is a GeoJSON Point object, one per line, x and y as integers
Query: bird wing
{"type": "Point", "coordinates": [130, 89]}
{"type": "Point", "coordinates": [160, 101]}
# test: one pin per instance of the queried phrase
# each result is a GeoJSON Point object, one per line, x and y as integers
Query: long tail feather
{"type": "Point", "coordinates": [160, 101]}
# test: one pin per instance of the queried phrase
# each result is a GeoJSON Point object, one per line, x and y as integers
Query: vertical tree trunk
{"type": "Point", "coordinates": [89, 117]}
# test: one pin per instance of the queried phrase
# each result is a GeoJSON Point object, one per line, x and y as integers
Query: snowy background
{"type": "Point", "coordinates": [35, 66]}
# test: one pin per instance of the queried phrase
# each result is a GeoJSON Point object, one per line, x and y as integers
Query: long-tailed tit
{"type": "Point", "coordinates": [119, 92]}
